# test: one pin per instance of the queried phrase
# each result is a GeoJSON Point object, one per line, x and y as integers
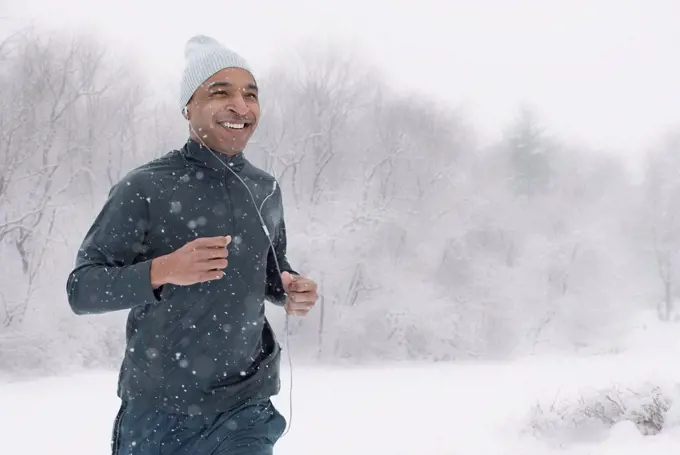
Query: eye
{"type": "Point", "coordinates": [252, 96]}
{"type": "Point", "coordinates": [219, 93]}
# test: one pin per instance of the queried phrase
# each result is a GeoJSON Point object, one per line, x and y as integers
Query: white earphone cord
{"type": "Point", "coordinates": [278, 269]}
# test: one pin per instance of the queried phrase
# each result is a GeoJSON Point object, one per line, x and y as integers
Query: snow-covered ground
{"type": "Point", "coordinates": [418, 409]}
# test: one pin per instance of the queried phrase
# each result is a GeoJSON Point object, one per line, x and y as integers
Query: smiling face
{"type": "Point", "coordinates": [225, 111]}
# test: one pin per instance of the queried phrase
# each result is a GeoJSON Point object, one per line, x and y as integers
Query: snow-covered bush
{"type": "Point", "coordinates": [590, 416]}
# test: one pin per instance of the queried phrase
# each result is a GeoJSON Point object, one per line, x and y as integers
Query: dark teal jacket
{"type": "Point", "coordinates": [190, 349]}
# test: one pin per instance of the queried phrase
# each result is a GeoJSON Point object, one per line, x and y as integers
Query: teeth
{"type": "Point", "coordinates": [236, 126]}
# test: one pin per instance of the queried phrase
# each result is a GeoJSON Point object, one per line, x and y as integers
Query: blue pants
{"type": "Point", "coordinates": [251, 429]}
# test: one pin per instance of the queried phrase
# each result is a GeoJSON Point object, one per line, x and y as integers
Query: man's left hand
{"type": "Point", "coordinates": [301, 294]}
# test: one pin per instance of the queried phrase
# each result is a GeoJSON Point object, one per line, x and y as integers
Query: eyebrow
{"type": "Point", "coordinates": [229, 84]}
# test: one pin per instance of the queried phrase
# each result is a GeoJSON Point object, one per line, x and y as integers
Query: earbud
{"type": "Point", "coordinates": [185, 112]}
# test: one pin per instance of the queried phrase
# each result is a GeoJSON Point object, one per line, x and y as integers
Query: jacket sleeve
{"type": "Point", "coordinates": [275, 292]}
{"type": "Point", "coordinates": [108, 275]}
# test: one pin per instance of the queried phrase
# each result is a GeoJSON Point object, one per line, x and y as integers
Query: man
{"type": "Point", "coordinates": [192, 244]}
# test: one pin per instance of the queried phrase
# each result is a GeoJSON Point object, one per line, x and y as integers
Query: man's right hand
{"type": "Point", "coordinates": [200, 260]}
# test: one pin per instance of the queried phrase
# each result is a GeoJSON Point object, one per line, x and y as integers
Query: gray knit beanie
{"type": "Point", "coordinates": [205, 57]}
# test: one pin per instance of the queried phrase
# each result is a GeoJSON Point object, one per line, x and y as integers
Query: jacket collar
{"type": "Point", "coordinates": [202, 157]}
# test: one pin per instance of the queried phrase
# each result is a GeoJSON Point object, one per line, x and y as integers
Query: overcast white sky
{"type": "Point", "coordinates": [603, 71]}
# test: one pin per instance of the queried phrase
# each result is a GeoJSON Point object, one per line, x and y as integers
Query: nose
{"type": "Point", "coordinates": [238, 105]}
